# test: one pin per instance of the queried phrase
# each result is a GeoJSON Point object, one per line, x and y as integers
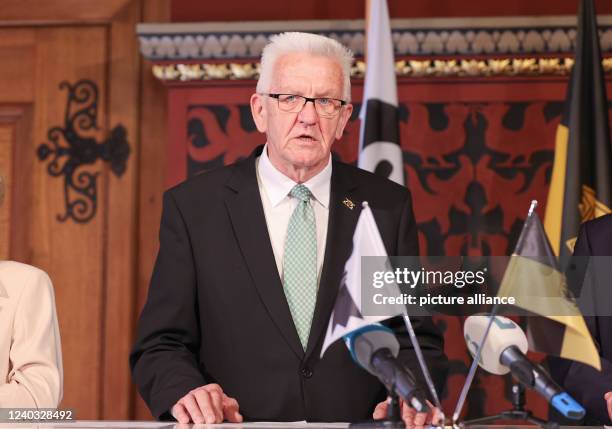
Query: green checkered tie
{"type": "Point", "coordinates": [300, 263]}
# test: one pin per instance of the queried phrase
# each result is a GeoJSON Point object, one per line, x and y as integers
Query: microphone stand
{"type": "Point", "coordinates": [518, 412]}
{"type": "Point", "coordinates": [393, 420]}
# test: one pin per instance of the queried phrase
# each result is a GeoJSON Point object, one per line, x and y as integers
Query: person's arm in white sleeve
{"type": "Point", "coordinates": [35, 375]}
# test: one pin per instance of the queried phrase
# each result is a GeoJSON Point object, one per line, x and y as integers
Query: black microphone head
{"type": "Point", "coordinates": [364, 342]}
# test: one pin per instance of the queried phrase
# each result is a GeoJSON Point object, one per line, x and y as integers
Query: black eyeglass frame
{"type": "Point", "coordinates": [306, 100]}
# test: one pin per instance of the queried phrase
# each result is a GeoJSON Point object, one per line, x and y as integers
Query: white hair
{"type": "Point", "coordinates": [314, 44]}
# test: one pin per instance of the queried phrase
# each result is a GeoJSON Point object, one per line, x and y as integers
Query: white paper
{"type": "Point", "coordinates": [274, 425]}
{"type": "Point", "coordinates": [76, 424]}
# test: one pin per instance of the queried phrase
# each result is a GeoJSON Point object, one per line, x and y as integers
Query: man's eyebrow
{"type": "Point", "coordinates": [295, 92]}
{"type": "Point", "coordinates": [319, 95]}
{"type": "Point", "coordinates": [290, 91]}
{"type": "Point", "coordinates": [327, 95]}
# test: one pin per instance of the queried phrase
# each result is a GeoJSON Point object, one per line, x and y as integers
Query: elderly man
{"type": "Point", "coordinates": [251, 257]}
{"type": "Point", "coordinates": [30, 350]}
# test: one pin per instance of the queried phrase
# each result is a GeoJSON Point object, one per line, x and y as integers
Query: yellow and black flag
{"type": "Point", "coordinates": [538, 286]}
{"type": "Point", "coordinates": [581, 185]}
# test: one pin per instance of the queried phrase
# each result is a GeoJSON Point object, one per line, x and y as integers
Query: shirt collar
{"type": "Point", "coordinates": [278, 186]}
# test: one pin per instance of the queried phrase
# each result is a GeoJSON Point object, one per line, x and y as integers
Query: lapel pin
{"type": "Point", "coordinates": [348, 203]}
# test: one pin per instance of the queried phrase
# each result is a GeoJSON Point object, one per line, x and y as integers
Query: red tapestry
{"type": "Point", "coordinates": [476, 152]}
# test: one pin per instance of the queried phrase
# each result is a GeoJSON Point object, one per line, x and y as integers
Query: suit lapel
{"type": "Point", "coordinates": [247, 216]}
{"type": "Point", "coordinates": [338, 246]}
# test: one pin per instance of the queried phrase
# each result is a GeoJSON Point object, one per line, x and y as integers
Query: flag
{"type": "Point", "coordinates": [379, 145]}
{"type": "Point", "coordinates": [581, 184]}
{"type": "Point", "coordinates": [538, 286]}
{"type": "Point", "coordinates": [347, 314]}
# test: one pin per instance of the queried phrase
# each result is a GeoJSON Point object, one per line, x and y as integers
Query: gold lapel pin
{"type": "Point", "coordinates": [348, 203]}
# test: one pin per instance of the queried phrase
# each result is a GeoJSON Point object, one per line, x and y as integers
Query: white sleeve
{"type": "Point", "coordinates": [36, 376]}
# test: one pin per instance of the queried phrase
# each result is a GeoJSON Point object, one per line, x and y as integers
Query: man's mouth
{"type": "Point", "coordinates": [306, 138]}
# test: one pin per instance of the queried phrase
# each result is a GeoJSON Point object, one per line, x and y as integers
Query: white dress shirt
{"type": "Point", "coordinates": [278, 205]}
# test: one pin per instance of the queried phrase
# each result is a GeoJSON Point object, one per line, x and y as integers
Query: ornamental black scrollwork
{"type": "Point", "coordinates": [73, 146]}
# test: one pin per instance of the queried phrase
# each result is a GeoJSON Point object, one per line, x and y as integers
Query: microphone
{"type": "Point", "coordinates": [504, 351]}
{"type": "Point", "coordinates": [375, 348]}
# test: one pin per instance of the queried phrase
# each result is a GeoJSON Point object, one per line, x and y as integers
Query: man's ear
{"type": "Point", "coordinates": [258, 110]}
{"type": "Point", "coordinates": [345, 115]}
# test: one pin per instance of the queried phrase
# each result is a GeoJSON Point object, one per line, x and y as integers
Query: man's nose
{"type": "Point", "coordinates": [308, 114]}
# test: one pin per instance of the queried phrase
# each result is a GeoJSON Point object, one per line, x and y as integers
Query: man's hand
{"type": "Point", "coordinates": [409, 414]}
{"type": "Point", "coordinates": [206, 404]}
{"type": "Point", "coordinates": [608, 398]}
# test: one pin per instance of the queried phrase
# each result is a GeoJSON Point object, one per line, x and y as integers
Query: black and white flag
{"type": "Point", "coordinates": [379, 143]}
{"type": "Point", "coordinates": [348, 314]}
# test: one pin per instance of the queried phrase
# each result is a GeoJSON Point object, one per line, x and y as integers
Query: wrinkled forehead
{"type": "Point", "coordinates": [307, 73]}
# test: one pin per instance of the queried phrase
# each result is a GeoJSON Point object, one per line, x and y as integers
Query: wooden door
{"type": "Point", "coordinates": [70, 91]}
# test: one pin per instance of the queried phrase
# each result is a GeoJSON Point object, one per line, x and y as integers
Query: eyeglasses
{"type": "Point", "coordinates": [326, 107]}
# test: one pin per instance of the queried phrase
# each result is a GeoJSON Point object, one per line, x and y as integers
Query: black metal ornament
{"type": "Point", "coordinates": [72, 147]}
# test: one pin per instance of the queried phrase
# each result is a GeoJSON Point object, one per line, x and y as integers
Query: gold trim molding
{"type": "Point", "coordinates": [504, 67]}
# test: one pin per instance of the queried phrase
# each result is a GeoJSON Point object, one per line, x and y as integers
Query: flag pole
{"type": "Point", "coordinates": [534, 204]}
{"type": "Point", "coordinates": [423, 365]}
{"type": "Point", "coordinates": [367, 28]}
{"type": "Point", "coordinates": [472, 372]}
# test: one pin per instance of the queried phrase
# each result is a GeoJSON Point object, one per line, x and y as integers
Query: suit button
{"type": "Point", "coordinates": [306, 372]}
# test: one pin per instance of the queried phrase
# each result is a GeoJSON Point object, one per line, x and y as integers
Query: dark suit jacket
{"type": "Point", "coordinates": [583, 382]}
{"type": "Point", "coordinates": [216, 310]}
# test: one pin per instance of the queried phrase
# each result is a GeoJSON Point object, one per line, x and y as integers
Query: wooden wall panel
{"type": "Point", "coordinates": [72, 253]}
{"type": "Point", "coordinates": [154, 143]}
{"type": "Point", "coordinates": [7, 141]}
{"type": "Point", "coordinates": [18, 47]}
{"type": "Point", "coordinates": [94, 266]}
{"type": "Point", "coordinates": [15, 165]}
{"type": "Point", "coordinates": [121, 268]}
{"type": "Point", "coordinates": [44, 12]}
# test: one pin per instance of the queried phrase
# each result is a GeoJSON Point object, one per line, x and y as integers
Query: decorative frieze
{"type": "Point", "coordinates": [511, 37]}
{"type": "Point", "coordinates": [412, 68]}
